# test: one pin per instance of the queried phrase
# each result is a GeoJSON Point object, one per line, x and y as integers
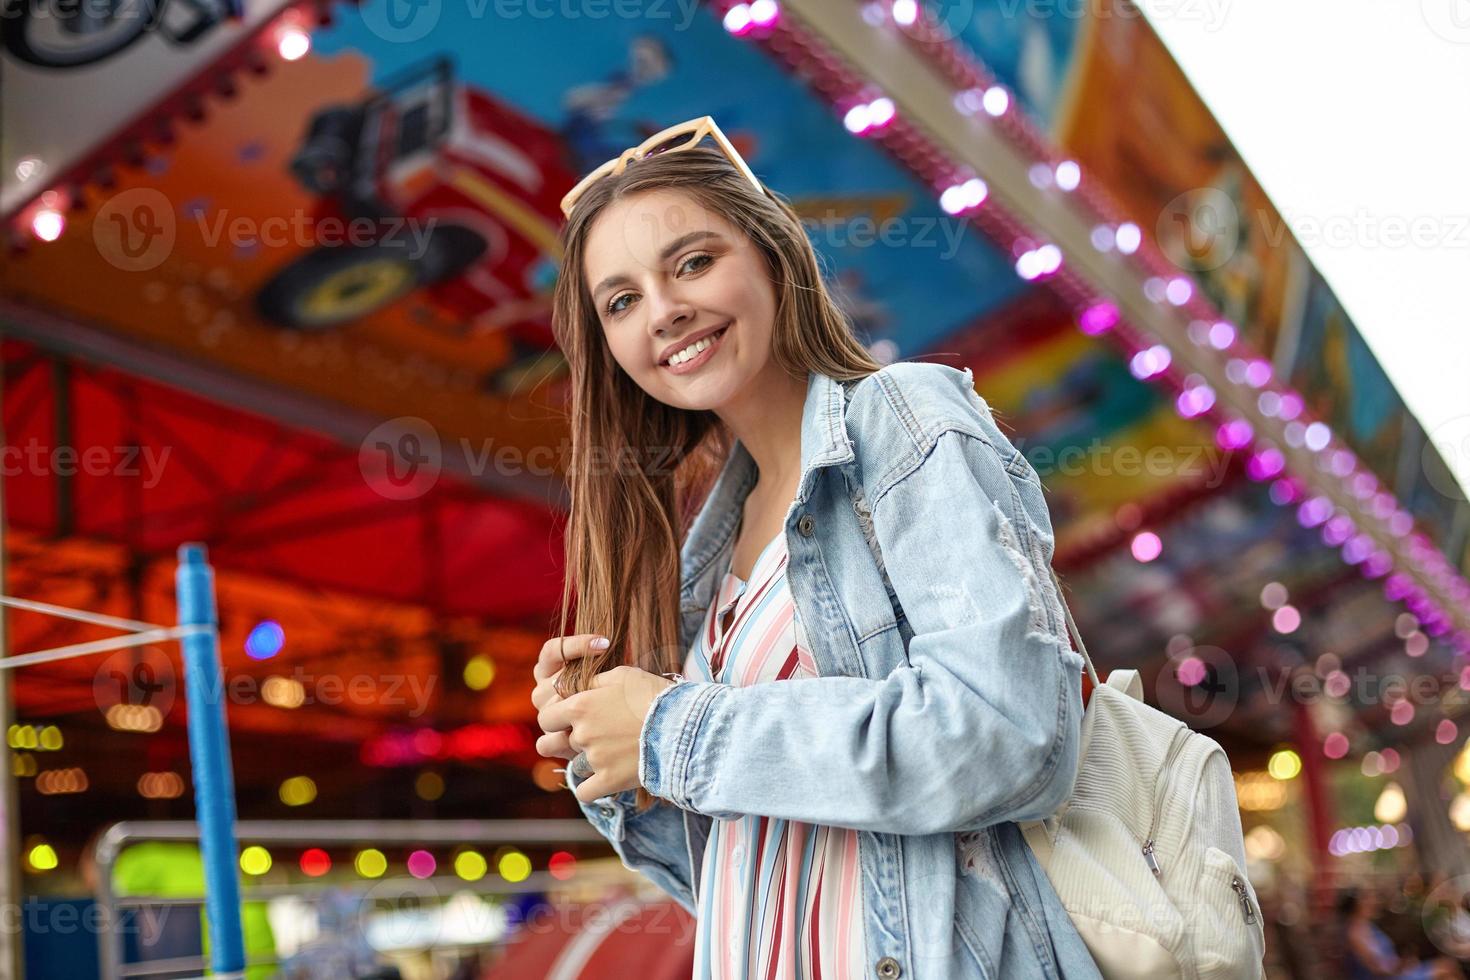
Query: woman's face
{"type": "Point", "coordinates": [663, 272]}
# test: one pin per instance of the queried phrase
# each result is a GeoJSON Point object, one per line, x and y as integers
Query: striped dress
{"type": "Point", "coordinates": [777, 898]}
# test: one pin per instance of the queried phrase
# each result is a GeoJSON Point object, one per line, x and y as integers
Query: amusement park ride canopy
{"type": "Point", "coordinates": [1041, 199]}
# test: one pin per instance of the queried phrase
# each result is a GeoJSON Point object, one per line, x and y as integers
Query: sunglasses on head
{"type": "Point", "coordinates": [683, 136]}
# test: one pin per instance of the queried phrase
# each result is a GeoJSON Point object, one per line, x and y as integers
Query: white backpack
{"type": "Point", "coordinates": [1147, 855]}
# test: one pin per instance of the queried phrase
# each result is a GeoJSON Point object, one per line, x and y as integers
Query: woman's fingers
{"type": "Point", "coordinates": [544, 692]}
{"type": "Point", "coordinates": [595, 787]}
{"type": "Point", "coordinates": [556, 651]}
{"type": "Point", "coordinates": [557, 716]}
{"type": "Point", "coordinates": [556, 745]}
{"type": "Point", "coordinates": [553, 657]}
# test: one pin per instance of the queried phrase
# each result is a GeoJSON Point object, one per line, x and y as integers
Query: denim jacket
{"type": "Point", "coordinates": [948, 705]}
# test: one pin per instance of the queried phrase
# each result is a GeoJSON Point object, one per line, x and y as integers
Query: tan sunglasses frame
{"type": "Point", "coordinates": [698, 129]}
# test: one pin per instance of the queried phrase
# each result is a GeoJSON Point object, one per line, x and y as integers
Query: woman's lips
{"type": "Point", "coordinates": [703, 356]}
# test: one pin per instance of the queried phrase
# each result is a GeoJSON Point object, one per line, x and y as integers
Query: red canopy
{"type": "Point", "coordinates": [654, 940]}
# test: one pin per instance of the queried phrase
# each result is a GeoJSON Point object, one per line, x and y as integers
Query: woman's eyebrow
{"type": "Point", "coordinates": [694, 236]}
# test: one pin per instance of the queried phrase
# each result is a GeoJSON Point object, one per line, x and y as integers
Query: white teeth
{"type": "Point", "coordinates": [689, 352]}
{"type": "Point", "coordinates": [693, 350]}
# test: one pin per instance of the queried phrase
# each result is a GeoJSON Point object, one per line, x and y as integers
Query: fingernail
{"type": "Point", "coordinates": [601, 643]}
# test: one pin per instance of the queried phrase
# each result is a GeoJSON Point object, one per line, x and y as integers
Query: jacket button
{"type": "Point", "coordinates": [805, 526]}
{"type": "Point", "coordinates": [888, 968]}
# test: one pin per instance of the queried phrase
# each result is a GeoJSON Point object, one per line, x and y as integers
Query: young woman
{"type": "Point", "coordinates": [829, 684]}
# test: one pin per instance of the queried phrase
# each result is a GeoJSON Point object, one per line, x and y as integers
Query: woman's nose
{"type": "Point", "coordinates": [667, 316]}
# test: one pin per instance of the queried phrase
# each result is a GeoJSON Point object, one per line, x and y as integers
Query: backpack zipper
{"type": "Point", "coordinates": [1167, 777]}
{"type": "Point", "coordinates": [1245, 899]}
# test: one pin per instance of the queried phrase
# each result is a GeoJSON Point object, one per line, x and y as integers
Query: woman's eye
{"type": "Point", "coordinates": [613, 309]}
{"type": "Point", "coordinates": [700, 255]}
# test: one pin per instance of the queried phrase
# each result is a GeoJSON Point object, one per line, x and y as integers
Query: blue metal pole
{"type": "Point", "coordinates": [209, 754]}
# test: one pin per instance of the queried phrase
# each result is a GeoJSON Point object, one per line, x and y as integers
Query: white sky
{"type": "Point", "coordinates": [1355, 115]}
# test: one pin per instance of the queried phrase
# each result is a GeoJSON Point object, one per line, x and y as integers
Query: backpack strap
{"type": "Point", "coordinates": [1075, 634]}
{"type": "Point", "coordinates": [1072, 628]}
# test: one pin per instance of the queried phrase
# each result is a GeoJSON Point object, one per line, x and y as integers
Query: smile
{"type": "Point", "coordinates": [711, 344]}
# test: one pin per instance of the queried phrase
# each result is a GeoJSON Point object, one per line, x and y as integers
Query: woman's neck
{"type": "Point", "coordinates": [766, 418]}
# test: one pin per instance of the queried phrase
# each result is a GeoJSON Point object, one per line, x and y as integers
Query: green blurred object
{"type": "Point", "coordinates": [170, 869]}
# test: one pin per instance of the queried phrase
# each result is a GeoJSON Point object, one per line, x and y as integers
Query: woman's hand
{"type": "Point", "coordinates": [555, 652]}
{"type": "Point", "coordinates": [604, 721]}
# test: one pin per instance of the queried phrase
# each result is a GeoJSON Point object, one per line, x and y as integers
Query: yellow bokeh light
{"type": "Point", "coordinates": [134, 717]}
{"type": "Point", "coordinates": [471, 865]}
{"type": "Point", "coordinates": [429, 786]}
{"type": "Point", "coordinates": [1462, 765]}
{"type": "Point", "coordinates": [50, 739]}
{"type": "Point", "coordinates": [1263, 843]}
{"type": "Point", "coordinates": [1258, 791]}
{"type": "Point", "coordinates": [165, 785]}
{"type": "Point", "coordinates": [283, 692]}
{"type": "Point", "coordinates": [42, 857]}
{"type": "Point", "coordinates": [1285, 764]}
{"type": "Point", "coordinates": [514, 866]}
{"type": "Point", "coordinates": [1391, 806]}
{"type": "Point", "coordinates": [1460, 811]}
{"type": "Point", "coordinates": [298, 791]}
{"type": "Point", "coordinates": [479, 671]}
{"type": "Point", "coordinates": [370, 863]}
{"type": "Point", "coordinates": [255, 860]}
{"type": "Point", "coordinates": [57, 782]}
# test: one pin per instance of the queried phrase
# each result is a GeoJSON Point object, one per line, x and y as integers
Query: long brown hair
{"type": "Point", "coordinates": [640, 468]}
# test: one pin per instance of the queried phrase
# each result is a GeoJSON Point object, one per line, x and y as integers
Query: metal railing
{"type": "Point", "coordinates": [337, 832]}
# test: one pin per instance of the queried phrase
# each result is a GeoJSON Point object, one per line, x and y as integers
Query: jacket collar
{"type": "Point", "coordinates": [824, 442]}
{"type": "Point", "coordinates": [824, 438]}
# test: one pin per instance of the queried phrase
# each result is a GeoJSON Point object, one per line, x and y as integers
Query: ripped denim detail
{"type": "Point", "coordinates": [974, 854]}
{"type": "Point", "coordinates": [1042, 600]}
{"type": "Point", "coordinates": [870, 534]}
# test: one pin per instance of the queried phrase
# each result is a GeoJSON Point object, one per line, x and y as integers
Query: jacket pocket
{"type": "Point", "coordinates": [1230, 937]}
{"type": "Point", "coordinates": [973, 946]}
{"type": "Point", "coordinates": [982, 901]}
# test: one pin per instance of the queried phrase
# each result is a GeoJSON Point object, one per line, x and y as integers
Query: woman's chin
{"type": "Point", "coordinates": [703, 390]}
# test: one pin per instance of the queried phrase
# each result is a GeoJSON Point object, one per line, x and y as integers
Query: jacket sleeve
{"type": "Point", "coordinates": [653, 843]}
{"type": "Point", "coordinates": [981, 725]}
